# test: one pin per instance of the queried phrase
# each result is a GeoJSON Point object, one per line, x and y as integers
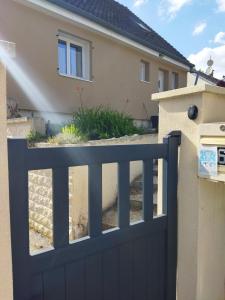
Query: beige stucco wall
{"type": "Point", "coordinates": [21, 127]}
{"type": "Point", "coordinates": [79, 209]}
{"type": "Point", "coordinates": [115, 67]}
{"type": "Point", "coordinates": [201, 203]}
{"type": "Point", "coordinates": [5, 242]}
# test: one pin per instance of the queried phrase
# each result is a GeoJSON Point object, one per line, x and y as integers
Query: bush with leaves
{"type": "Point", "coordinates": [103, 123]}
{"type": "Point", "coordinates": [70, 129]}
{"type": "Point", "coordinates": [35, 137]}
{"type": "Point", "coordinates": [69, 135]}
{"type": "Point", "coordinates": [91, 124]}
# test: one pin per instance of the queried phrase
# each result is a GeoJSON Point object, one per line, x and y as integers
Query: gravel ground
{"type": "Point", "coordinates": [38, 242]}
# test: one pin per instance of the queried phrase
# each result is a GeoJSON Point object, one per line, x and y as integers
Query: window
{"type": "Point", "coordinates": [175, 78]}
{"type": "Point", "coordinates": [144, 71]}
{"type": "Point", "coordinates": [74, 57]}
{"type": "Point", "coordinates": [62, 52]}
{"type": "Point", "coordinates": [162, 80]}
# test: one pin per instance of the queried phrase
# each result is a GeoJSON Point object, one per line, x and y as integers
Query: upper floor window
{"type": "Point", "coordinates": [163, 80]}
{"type": "Point", "coordinates": [74, 57]}
{"type": "Point", "coordinates": [175, 80]}
{"type": "Point", "coordinates": [144, 71]}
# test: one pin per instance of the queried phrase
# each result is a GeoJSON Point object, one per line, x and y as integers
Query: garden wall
{"type": "Point", "coordinates": [40, 202]}
{"type": "Point", "coordinates": [40, 189]}
{"type": "Point", "coordinates": [21, 127]}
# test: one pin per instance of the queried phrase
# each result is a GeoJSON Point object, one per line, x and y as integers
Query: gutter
{"type": "Point", "coordinates": [78, 18]}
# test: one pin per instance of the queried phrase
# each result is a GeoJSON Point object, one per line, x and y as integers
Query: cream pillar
{"type": "Point", "coordinates": [201, 203]}
{"type": "Point", "coordinates": [6, 287]}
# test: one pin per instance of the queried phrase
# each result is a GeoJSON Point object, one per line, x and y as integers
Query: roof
{"type": "Point", "coordinates": [121, 20]}
{"type": "Point", "coordinates": [209, 78]}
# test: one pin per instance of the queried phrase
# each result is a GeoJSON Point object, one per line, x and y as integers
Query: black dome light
{"type": "Point", "coordinates": [193, 112]}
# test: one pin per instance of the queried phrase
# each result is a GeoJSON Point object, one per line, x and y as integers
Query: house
{"type": "Point", "coordinates": [90, 53]}
{"type": "Point", "coordinates": [198, 77]}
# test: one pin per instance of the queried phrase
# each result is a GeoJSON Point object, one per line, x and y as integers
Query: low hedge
{"type": "Point", "coordinates": [101, 123]}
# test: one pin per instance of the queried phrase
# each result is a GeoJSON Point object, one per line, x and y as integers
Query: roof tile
{"type": "Point", "coordinates": [120, 19]}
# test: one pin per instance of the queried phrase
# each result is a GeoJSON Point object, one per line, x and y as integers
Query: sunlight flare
{"type": "Point", "coordinates": [28, 86]}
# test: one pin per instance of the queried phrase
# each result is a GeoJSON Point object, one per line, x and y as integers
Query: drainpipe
{"type": "Point", "coordinates": [197, 77]}
{"type": "Point", "coordinates": [6, 281]}
{"type": "Point", "coordinates": [193, 71]}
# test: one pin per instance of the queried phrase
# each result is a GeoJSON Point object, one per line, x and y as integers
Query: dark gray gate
{"type": "Point", "coordinates": [133, 262]}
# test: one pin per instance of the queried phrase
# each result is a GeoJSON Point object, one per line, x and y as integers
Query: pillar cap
{"type": "Point", "coordinates": [204, 88]}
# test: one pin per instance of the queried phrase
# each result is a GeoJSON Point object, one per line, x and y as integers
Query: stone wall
{"type": "Point", "coordinates": [40, 202]}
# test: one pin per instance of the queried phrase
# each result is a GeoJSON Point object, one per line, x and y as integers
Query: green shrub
{"type": "Point", "coordinates": [103, 123]}
{"type": "Point", "coordinates": [70, 129]}
{"type": "Point", "coordinates": [35, 137]}
{"type": "Point", "coordinates": [90, 124]}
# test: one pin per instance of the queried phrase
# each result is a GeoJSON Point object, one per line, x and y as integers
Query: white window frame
{"type": "Point", "coordinates": [142, 75]}
{"type": "Point", "coordinates": [161, 88]}
{"type": "Point", "coordinates": [85, 45]}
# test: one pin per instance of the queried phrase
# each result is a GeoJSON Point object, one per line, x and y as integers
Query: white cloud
{"type": "Point", "coordinates": [199, 28]}
{"type": "Point", "coordinates": [138, 3]}
{"type": "Point", "coordinates": [219, 38]}
{"type": "Point", "coordinates": [200, 59]}
{"type": "Point", "coordinates": [172, 7]}
{"type": "Point", "coordinates": [221, 5]}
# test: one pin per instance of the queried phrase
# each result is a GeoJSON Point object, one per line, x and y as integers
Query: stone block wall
{"type": "Point", "coordinates": [40, 202]}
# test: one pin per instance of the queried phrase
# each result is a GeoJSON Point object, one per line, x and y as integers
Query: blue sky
{"type": "Point", "coordinates": [195, 27]}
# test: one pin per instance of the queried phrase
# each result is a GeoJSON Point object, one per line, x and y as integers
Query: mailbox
{"type": "Point", "coordinates": [211, 154]}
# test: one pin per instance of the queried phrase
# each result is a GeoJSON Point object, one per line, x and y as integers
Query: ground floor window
{"type": "Point", "coordinates": [144, 71]}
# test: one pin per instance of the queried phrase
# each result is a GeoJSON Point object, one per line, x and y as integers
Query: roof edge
{"type": "Point", "coordinates": [207, 77]}
{"type": "Point", "coordinates": [104, 29]}
{"type": "Point", "coordinates": [97, 20]}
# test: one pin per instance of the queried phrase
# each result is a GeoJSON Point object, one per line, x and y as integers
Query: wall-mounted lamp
{"type": "Point", "coordinates": [193, 112]}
